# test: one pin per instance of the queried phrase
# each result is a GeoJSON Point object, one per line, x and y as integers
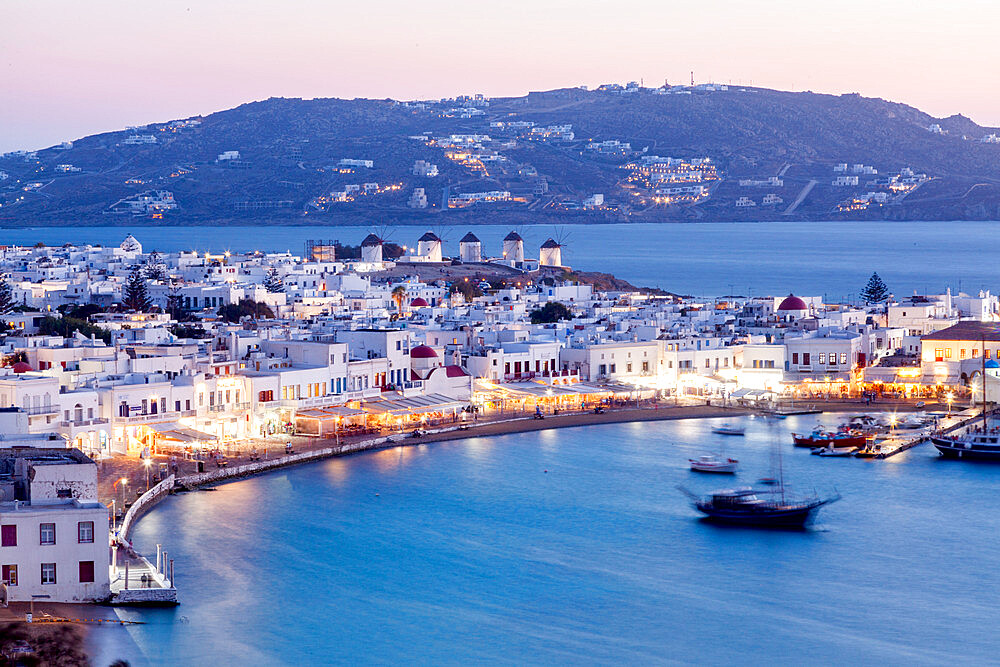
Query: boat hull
{"type": "Point", "coordinates": [718, 468]}
{"type": "Point", "coordinates": [837, 443]}
{"type": "Point", "coordinates": [792, 517]}
{"type": "Point", "coordinates": [952, 449]}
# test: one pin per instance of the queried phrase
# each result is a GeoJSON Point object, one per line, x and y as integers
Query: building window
{"type": "Point", "coordinates": [833, 358]}
{"type": "Point", "coordinates": [86, 571]}
{"type": "Point", "coordinates": [8, 535]}
{"type": "Point", "coordinates": [48, 573]}
{"type": "Point", "coordinates": [10, 575]}
{"type": "Point", "coordinates": [628, 368]}
{"type": "Point", "coordinates": [939, 354]}
{"type": "Point", "coordinates": [805, 358]}
{"type": "Point", "coordinates": [645, 367]}
{"type": "Point", "coordinates": [843, 358]}
{"type": "Point", "coordinates": [612, 368]}
{"type": "Point", "coordinates": [46, 533]}
{"type": "Point", "coordinates": [961, 353]}
{"type": "Point", "coordinates": [795, 357]}
{"type": "Point", "coordinates": [822, 357]}
{"type": "Point", "coordinates": [85, 532]}
{"type": "Point", "coordinates": [947, 353]}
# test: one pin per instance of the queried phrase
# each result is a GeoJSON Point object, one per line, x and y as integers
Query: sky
{"type": "Point", "coordinates": [69, 68]}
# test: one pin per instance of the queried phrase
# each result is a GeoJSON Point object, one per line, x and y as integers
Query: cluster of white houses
{"type": "Point", "coordinates": [349, 349]}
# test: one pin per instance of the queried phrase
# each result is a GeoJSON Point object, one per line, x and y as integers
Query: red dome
{"type": "Point", "coordinates": [419, 303]}
{"type": "Point", "coordinates": [423, 352]}
{"type": "Point", "coordinates": [21, 367]}
{"type": "Point", "coordinates": [792, 303]}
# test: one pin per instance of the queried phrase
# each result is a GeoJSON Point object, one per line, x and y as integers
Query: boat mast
{"type": "Point", "coordinates": [985, 425]}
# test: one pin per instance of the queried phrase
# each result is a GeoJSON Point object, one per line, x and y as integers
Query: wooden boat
{"type": "Point", "coordinates": [712, 463]}
{"type": "Point", "coordinates": [766, 508]}
{"type": "Point", "coordinates": [729, 429]}
{"type": "Point", "coordinates": [822, 438]}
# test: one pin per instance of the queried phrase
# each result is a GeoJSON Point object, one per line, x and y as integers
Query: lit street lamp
{"type": "Point", "coordinates": [950, 397]}
{"type": "Point", "coordinates": [147, 462]}
{"type": "Point", "coordinates": [123, 481]}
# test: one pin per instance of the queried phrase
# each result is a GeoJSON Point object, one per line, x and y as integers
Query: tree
{"type": "Point", "coordinates": [467, 289]}
{"type": "Point", "coordinates": [234, 312]}
{"type": "Point", "coordinates": [399, 296]}
{"type": "Point", "coordinates": [875, 291]}
{"type": "Point", "coordinates": [175, 301]}
{"type": "Point", "coordinates": [272, 282]}
{"type": "Point", "coordinates": [155, 269]}
{"type": "Point", "coordinates": [7, 303]}
{"type": "Point", "coordinates": [136, 292]}
{"type": "Point", "coordinates": [553, 311]}
{"type": "Point", "coordinates": [67, 326]}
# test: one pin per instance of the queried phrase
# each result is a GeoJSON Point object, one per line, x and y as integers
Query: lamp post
{"type": "Point", "coordinates": [950, 397]}
{"type": "Point", "coordinates": [147, 462]}
{"type": "Point", "coordinates": [114, 488]}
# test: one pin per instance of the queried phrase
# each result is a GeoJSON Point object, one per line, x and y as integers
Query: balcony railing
{"type": "Point", "coordinates": [150, 417]}
{"type": "Point", "coordinates": [43, 410]}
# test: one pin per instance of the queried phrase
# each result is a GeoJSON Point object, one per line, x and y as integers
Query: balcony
{"type": "Point", "coordinates": [149, 417]}
{"type": "Point", "coordinates": [43, 410]}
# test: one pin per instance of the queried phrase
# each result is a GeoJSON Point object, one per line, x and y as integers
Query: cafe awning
{"type": "Point", "coordinates": [174, 431]}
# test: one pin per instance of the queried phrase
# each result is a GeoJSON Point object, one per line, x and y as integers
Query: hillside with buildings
{"type": "Point", "coordinates": [619, 153]}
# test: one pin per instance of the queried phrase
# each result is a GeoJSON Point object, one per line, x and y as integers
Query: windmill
{"type": "Point", "coordinates": [550, 253]}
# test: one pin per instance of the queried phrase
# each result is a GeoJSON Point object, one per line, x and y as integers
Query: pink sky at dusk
{"type": "Point", "coordinates": [70, 68]}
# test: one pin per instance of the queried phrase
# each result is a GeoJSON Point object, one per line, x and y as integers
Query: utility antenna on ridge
{"type": "Point", "coordinates": [692, 77]}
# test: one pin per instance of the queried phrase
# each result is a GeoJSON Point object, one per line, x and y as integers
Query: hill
{"type": "Point", "coordinates": [701, 153]}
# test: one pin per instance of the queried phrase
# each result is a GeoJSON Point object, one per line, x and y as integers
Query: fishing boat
{"type": "Point", "coordinates": [766, 508]}
{"type": "Point", "coordinates": [869, 451]}
{"type": "Point", "coordinates": [712, 463]}
{"type": "Point", "coordinates": [838, 439]}
{"type": "Point", "coordinates": [729, 429]}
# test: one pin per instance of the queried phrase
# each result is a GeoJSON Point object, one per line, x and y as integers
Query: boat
{"type": "Point", "coordinates": [823, 438]}
{"type": "Point", "coordinates": [834, 451]}
{"type": "Point", "coordinates": [712, 463]}
{"type": "Point", "coordinates": [869, 451]}
{"type": "Point", "coordinates": [765, 508]}
{"type": "Point", "coordinates": [981, 444]}
{"type": "Point", "coordinates": [729, 429]}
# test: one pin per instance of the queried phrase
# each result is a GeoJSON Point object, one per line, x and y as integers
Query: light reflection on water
{"type": "Point", "coordinates": [573, 545]}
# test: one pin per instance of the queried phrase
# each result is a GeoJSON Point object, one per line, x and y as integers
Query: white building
{"type": "Point", "coordinates": [53, 531]}
{"type": "Point", "coordinates": [550, 254]}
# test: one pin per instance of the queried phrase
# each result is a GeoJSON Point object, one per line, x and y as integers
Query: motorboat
{"type": "Point", "coordinates": [729, 429]}
{"type": "Point", "coordinates": [712, 463]}
{"type": "Point", "coordinates": [834, 451]}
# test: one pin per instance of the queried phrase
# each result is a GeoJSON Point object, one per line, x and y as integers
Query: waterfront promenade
{"type": "Point", "coordinates": [115, 469]}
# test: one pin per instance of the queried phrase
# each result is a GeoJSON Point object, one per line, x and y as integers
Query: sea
{"type": "Point", "coordinates": [575, 546]}
{"type": "Point", "coordinates": [829, 259]}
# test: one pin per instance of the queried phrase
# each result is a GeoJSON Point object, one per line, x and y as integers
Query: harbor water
{"type": "Point", "coordinates": [574, 546]}
{"type": "Point", "coordinates": [831, 259]}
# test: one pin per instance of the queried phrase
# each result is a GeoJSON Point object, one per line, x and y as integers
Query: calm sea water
{"type": "Point", "coordinates": [573, 546]}
{"type": "Point", "coordinates": [815, 258]}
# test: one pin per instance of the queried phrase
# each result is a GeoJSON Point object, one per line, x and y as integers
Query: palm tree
{"type": "Point", "coordinates": [399, 296]}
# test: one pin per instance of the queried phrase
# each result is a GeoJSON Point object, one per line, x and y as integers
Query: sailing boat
{"type": "Point", "coordinates": [772, 507]}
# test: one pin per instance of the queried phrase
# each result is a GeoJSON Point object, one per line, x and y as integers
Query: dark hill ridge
{"type": "Point", "coordinates": [288, 170]}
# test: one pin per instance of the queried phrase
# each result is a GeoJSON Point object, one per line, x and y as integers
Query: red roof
{"type": "Point", "coordinates": [21, 367]}
{"type": "Point", "coordinates": [423, 352]}
{"type": "Point", "coordinates": [419, 303]}
{"type": "Point", "coordinates": [455, 372]}
{"type": "Point", "coordinates": [792, 303]}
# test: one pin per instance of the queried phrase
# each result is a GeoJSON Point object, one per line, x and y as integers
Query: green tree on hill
{"type": "Point", "coordinates": [875, 291]}
{"type": "Point", "coordinates": [234, 312]}
{"type": "Point", "coordinates": [553, 311]}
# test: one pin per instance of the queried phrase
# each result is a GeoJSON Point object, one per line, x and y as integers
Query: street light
{"type": "Point", "coordinates": [123, 481]}
{"type": "Point", "coordinates": [146, 462]}
{"type": "Point", "coordinates": [950, 397]}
